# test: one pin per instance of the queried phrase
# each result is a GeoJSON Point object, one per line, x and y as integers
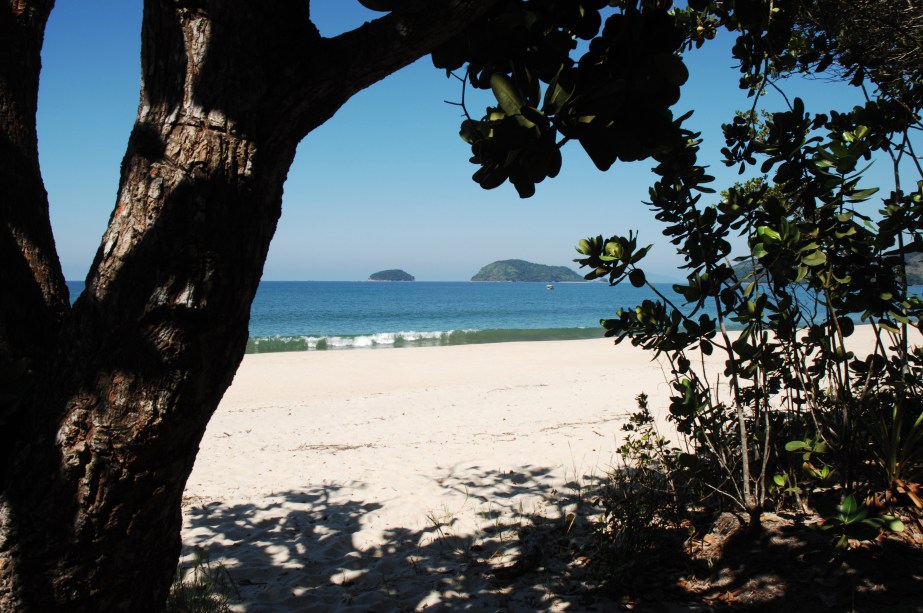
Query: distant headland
{"type": "Point", "coordinates": [391, 275]}
{"type": "Point", "coordinates": [520, 270]}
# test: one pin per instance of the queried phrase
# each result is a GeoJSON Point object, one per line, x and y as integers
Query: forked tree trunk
{"type": "Point", "coordinates": [97, 453]}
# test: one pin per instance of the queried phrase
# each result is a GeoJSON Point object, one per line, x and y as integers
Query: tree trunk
{"type": "Point", "coordinates": [97, 452]}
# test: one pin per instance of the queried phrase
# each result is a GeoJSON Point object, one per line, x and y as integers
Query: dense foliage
{"type": "Point", "coordinates": [520, 270]}
{"type": "Point", "coordinates": [614, 100]}
{"type": "Point", "coordinates": [798, 416]}
{"type": "Point", "coordinates": [801, 415]}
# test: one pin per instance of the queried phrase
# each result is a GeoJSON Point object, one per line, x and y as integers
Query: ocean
{"type": "Point", "coordinates": [331, 315]}
{"type": "Point", "coordinates": [326, 315]}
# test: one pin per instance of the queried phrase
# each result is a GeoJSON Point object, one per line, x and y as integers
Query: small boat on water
{"type": "Point", "coordinates": [549, 286]}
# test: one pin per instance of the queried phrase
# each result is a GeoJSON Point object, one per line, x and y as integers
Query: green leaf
{"type": "Point", "coordinates": [846, 326]}
{"type": "Point", "coordinates": [888, 326]}
{"type": "Point", "coordinates": [672, 68]}
{"type": "Point", "coordinates": [556, 96]}
{"type": "Point", "coordinates": [899, 317]}
{"type": "Point", "coordinates": [848, 232]}
{"type": "Point", "coordinates": [490, 177]}
{"type": "Point", "coordinates": [812, 246]}
{"type": "Point", "coordinates": [767, 232]}
{"type": "Point", "coordinates": [639, 254]}
{"type": "Point", "coordinates": [533, 115]}
{"type": "Point", "coordinates": [614, 249]}
{"type": "Point", "coordinates": [539, 161]}
{"type": "Point", "coordinates": [796, 446]}
{"type": "Point", "coordinates": [892, 523]}
{"type": "Point", "coordinates": [862, 194]}
{"type": "Point", "coordinates": [525, 189]}
{"type": "Point", "coordinates": [849, 506]}
{"type": "Point", "coordinates": [506, 93]}
{"type": "Point", "coordinates": [637, 278]}
{"type": "Point", "coordinates": [470, 131]}
{"type": "Point", "coordinates": [599, 142]}
{"type": "Point", "coordinates": [814, 259]}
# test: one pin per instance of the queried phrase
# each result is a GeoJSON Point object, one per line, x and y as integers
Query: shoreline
{"type": "Point", "coordinates": [407, 339]}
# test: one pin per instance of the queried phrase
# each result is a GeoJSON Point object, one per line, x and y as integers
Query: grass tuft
{"type": "Point", "coordinates": [203, 587]}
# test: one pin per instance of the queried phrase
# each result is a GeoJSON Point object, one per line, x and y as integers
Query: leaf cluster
{"type": "Point", "coordinates": [614, 99]}
{"type": "Point", "coordinates": [817, 259]}
{"type": "Point", "coordinates": [799, 410]}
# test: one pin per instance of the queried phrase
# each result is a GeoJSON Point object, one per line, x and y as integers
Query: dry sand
{"type": "Point", "coordinates": [365, 480]}
{"type": "Point", "coordinates": [383, 480]}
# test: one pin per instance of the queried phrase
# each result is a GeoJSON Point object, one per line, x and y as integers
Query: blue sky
{"type": "Point", "coordinates": [385, 183]}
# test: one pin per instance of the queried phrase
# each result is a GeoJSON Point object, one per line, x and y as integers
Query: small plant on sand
{"type": "Point", "coordinates": [203, 587]}
{"type": "Point", "coordinates": [897, 438]}
{"type": "Point", "coordinates": [638, 499]}
{"type": "Point", "coordinates": [852, 520]}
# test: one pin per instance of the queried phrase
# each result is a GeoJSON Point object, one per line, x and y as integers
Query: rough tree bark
{"type": "Point", "coordinates": [95, 455]}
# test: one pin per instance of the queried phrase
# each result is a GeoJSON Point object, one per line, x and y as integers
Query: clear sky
{"type": "Point", "coordinates": [385, 183]}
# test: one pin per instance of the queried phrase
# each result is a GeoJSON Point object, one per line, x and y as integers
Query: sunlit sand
{"type": "Point", "coordinates": [364, 479]}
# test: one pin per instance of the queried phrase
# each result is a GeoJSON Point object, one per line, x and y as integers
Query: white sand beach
{"type": "Point", "coordinates": [343, 480]}
{"type": "Point", "coordinates": [368, 480]}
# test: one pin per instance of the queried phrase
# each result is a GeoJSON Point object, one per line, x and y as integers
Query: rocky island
{"type": "Point", "coordinates": [391, 275]}
{"type": "Point", "coordinates": [520, 270]}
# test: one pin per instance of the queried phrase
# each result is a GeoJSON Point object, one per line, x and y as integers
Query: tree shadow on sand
{"type": "Point", "coordinates": [297, 550]}
{"type": "Point", "coordinates": [521, 545]}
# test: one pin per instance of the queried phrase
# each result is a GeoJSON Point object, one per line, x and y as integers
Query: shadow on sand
{"type": "Point", "coordinates": [303, 551]}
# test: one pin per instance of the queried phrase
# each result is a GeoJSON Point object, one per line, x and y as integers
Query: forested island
{"type": "Point", "coordinates": [520, 270]}
{"type": "Point", "coordinates": [394, 274]}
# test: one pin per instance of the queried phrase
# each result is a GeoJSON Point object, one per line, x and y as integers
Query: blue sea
{"type": "Point", "coordinates": [329, 315]}
{"type": "Point", "coordinates": [324, 315]}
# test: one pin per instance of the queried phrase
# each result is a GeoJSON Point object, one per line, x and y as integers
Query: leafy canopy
{"type": "Point", "coordinates": [799, 407]}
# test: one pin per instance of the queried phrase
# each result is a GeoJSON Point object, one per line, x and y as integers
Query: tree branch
{"type": "Point", "coordinates": [34, 296]}
{"type": "Point", "coordinates": [357, 59]}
